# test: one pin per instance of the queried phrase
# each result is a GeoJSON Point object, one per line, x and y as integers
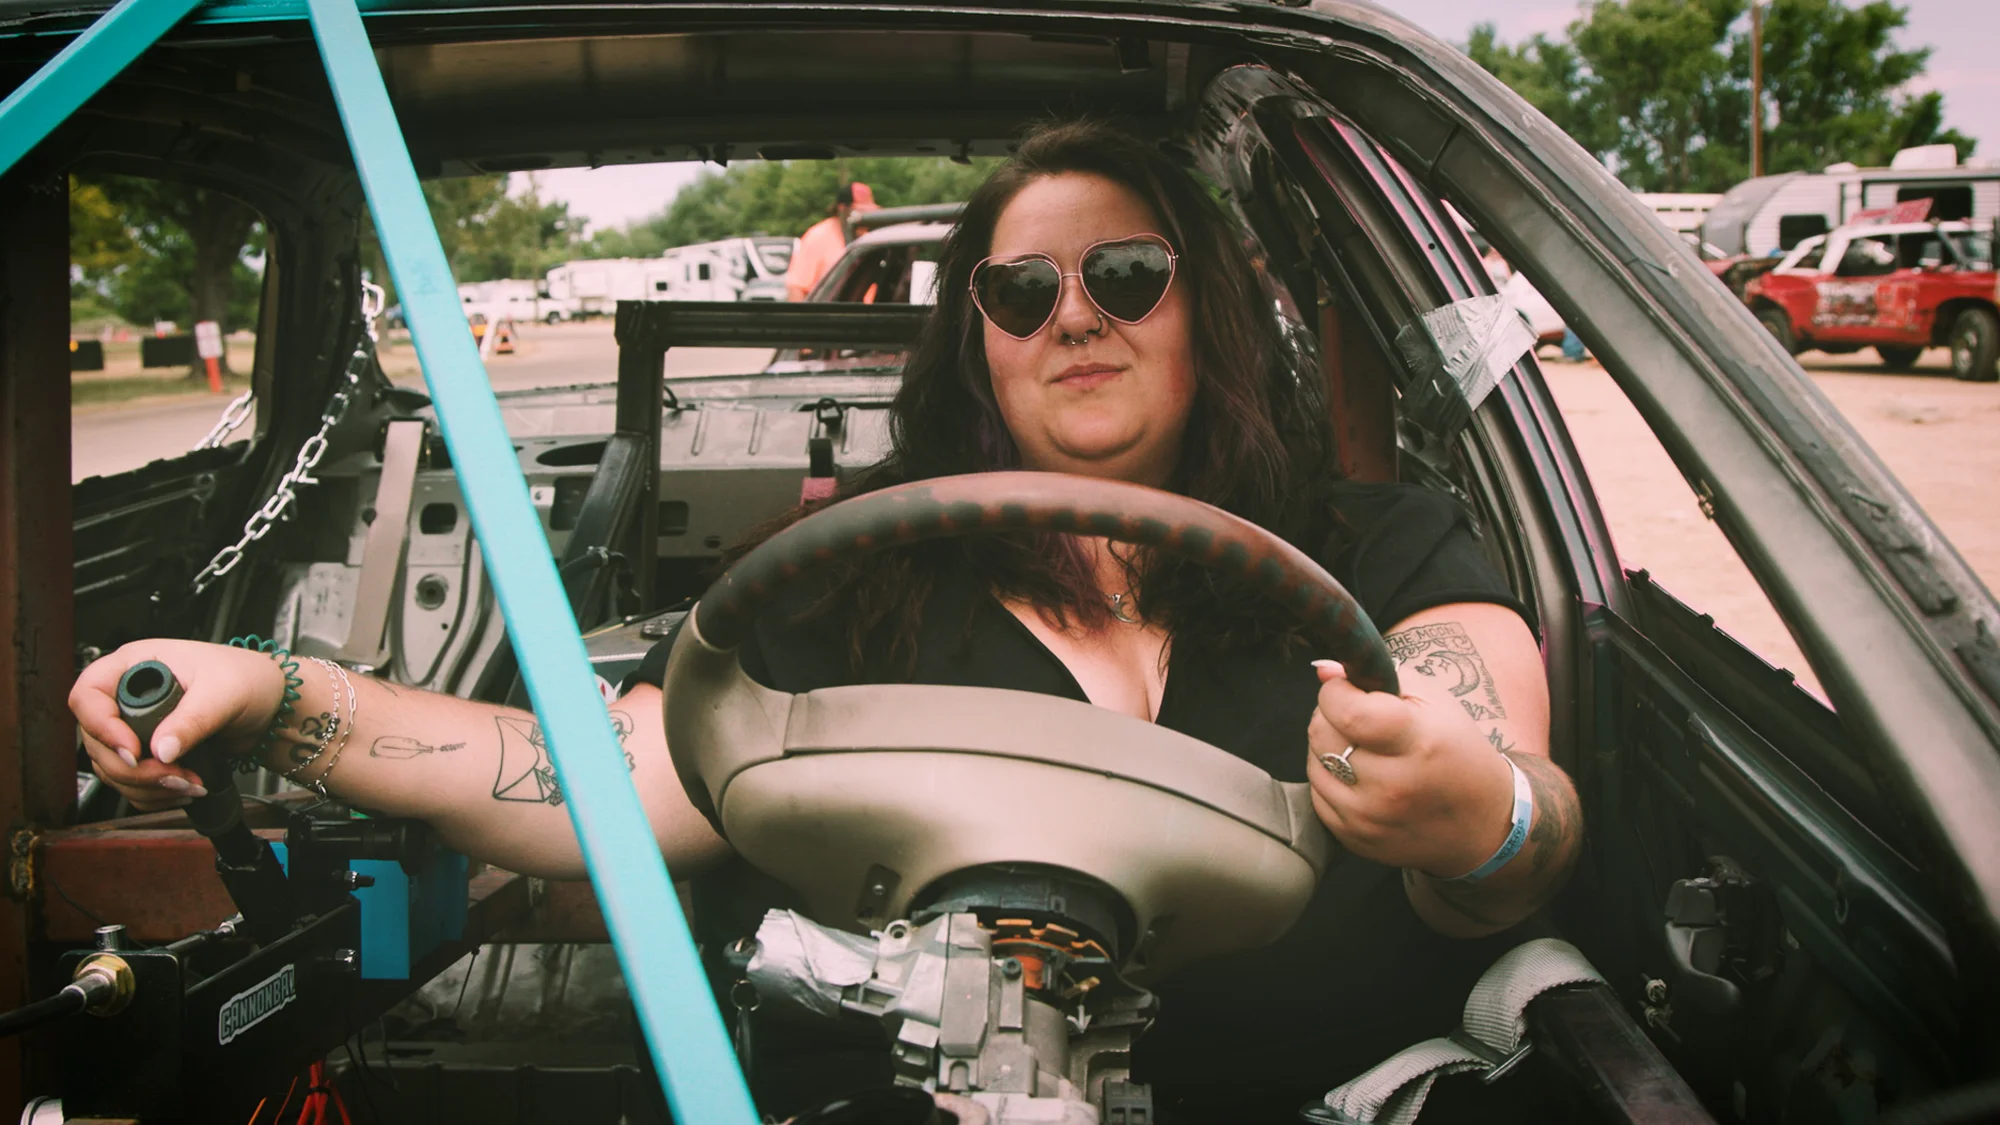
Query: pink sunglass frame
{"type": "Point", "coordinates": [1173, 270]}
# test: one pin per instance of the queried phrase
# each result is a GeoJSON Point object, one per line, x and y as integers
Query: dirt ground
{"type": "Point", "coordinates": [1936, 434]}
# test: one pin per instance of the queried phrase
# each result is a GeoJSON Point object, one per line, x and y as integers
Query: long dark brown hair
{"type": "Point", "coordinates": [1258, 442]}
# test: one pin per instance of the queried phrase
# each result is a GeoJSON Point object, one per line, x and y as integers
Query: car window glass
{"type": "Point", "coordinates": [141, 342]}
{"type": "Point", "coordinates": [1868, 257]}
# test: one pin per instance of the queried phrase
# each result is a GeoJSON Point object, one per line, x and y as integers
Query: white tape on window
{"type": "Point", "coordinates": [1481, 339]}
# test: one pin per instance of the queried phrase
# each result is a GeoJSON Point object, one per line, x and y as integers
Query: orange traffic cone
{"type": "Point", "coordinates": [503, 338]}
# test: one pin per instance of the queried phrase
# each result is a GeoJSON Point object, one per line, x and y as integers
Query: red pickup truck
{"type": "Point", "coordinates": [1896, 287]}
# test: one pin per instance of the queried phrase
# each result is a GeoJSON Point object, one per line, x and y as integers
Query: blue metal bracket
{"type": "Point", "coordinates": [67, 81]}
{"type": "Point", "coordinates": [684, 1031]}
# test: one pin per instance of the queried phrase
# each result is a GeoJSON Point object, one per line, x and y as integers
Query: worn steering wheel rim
{"type": "Point", "coordinates": [945, 507]}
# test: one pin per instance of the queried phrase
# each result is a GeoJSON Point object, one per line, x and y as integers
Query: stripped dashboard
{"type": "Point", "coordinates": [735, 452]}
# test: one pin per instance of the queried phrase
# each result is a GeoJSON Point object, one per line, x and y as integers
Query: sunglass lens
{"type": "Point", "coordinates": [1018, 297]}
{"type": "Point", "coordinates": [1128, 279]}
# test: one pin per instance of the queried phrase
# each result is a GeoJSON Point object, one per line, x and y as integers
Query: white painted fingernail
{"type": "Point", "coordinates": [1333, 666]}
{"type": "Point", "coordinates": [196, 791]}
{"type": "Point", "coordinates": [166, 747]}
{"type": "Point", "coordinates": [126, 757]}
{"type": "Point", "coordinates": [177, 784]}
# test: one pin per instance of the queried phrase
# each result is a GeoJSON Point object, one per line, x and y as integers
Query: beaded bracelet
{"type": "Point", "coordinates": [293, 682]}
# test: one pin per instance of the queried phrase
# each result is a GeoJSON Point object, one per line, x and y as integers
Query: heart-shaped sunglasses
{"type": "Point", "coordinates": [1126, 278]}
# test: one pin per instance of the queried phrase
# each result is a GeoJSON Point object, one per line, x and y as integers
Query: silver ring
{"type": "Point", "coordinates": [1098, 329]}
{"type": "Point", "coordinates": [1338, 766]}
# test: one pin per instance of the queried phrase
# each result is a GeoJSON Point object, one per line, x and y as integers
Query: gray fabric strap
{"type": "Point", "coordinates": [1495, 1026]}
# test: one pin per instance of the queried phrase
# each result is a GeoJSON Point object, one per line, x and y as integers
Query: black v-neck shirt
{"type": "Point", "coordinates": [1248, 1038]}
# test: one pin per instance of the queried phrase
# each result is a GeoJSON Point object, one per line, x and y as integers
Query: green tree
{"type": "Point", "coordinates": [1550, 75]}
{"type": "Point", "coordinates": [1660, 89]}
{"type": "Point", "coordinates": [487, 233]}
{"type": "Point", "coordinates": [1831, 77]}
{"type": "Point", "coordinates": [161, 250]}
{"type": "Point", "coordinates": [1658, 69]}
{"type": "Point", "coordinates": [785, 198]}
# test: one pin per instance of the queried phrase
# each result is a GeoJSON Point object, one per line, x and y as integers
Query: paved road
{"type": "Point", "coordinates": [113, 439]}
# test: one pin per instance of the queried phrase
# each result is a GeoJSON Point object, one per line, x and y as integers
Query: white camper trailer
{"type": "Point", "coordinates": [594, 286]}
{"type": "Point", "coordinates": [1773, 214]}
{"type": "Point", "coordinates": [748, 268]}
{"type": "Point", "coordinates": [516, 299]}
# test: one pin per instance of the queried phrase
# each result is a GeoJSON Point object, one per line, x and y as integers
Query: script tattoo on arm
{"type": "Point", "coordinates": [1444, 652]}
{"type": "Point", "coordinates": [527, 773]}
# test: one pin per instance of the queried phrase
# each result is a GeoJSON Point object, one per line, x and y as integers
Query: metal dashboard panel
{"type": "Point", "coordinates": [725, 468]}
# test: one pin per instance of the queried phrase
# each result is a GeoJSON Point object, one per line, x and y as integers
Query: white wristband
{"type": "Point", "coordinates": [1517, 831]}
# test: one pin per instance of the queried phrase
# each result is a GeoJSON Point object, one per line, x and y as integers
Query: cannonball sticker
{"type": "Point", "coordinates": [256, 1004]}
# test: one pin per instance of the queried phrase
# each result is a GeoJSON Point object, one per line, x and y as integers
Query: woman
{"type": "Point", "coordinates": [1096, 315]}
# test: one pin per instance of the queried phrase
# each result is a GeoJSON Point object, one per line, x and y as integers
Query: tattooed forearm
{"type": "Point", "coordinates": [1532, 879]}
{"type": "Point", "coordinates": [1475, 902]}
{"type": "Point", "coordinates": [1558, 827]}
{"type": "Point", "coordinates": [398, 747]}
{"type": "Point", "coordinates": [1445, 652]}
{"type": "Point", "coordinates": [527, 773]}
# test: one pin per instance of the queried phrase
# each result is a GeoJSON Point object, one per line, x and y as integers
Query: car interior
{"type": "Point", "coordinates": [1786, 899]}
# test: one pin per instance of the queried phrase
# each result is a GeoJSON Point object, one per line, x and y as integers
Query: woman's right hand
{"type": "Point", "coordinates": [232, 696]}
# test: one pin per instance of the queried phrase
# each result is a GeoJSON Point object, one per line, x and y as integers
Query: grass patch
{"type": "Point", "coordinates": [83, 392]}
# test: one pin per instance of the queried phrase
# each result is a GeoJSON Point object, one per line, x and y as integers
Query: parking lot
{"type": "Point", "coordinates": [1936, 434]}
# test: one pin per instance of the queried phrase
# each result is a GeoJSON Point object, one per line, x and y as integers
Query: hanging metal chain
{"type": "Point", "coordinates": [232, 417]}
{"type": "Point", "coordinates": [286, 493]}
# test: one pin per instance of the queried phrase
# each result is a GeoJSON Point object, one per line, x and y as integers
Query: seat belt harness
{"type": "Point", "coordinates": [1492, 1040]}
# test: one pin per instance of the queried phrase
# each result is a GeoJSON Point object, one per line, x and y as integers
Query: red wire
{"type": "Point", "coordinates": [311, 1111]}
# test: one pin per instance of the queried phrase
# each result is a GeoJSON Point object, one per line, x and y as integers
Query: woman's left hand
{"type": "Point", "coordinates": [1428, 792]}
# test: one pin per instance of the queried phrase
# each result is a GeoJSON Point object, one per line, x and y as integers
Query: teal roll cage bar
{"type": "Point", "coordinates": [684, 1033]}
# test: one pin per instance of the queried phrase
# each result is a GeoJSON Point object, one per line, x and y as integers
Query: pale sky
{"type": "Point", "coordinates": [1964, 36]}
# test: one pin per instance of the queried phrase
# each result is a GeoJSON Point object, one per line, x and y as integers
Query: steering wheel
{"type": "Point", "coordinates": [864, 799]}
{"type": "Point", "coordinates": [1027, 501]}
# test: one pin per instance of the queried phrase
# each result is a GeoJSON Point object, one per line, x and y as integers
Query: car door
{"type": "Point", "coordinates": [1851, 300]}
{"type": "Point", "coordinates": [1744, 869]}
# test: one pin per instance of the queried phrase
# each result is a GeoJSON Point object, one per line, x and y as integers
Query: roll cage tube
{"type": "Point", "coordinates": [697, 1066]}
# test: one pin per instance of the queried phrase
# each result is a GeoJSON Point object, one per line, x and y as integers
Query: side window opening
{"type": "Point", "coordinates": [1812, 258]}
{"type": "Point", "coordinates": [1917, 251]}
{"type": "Point", "coordinates": [1949, 203]}
{"type": "Point", "coordinates": [1794, 229]}
{"type": "Point", "coordinates": [1868, 257]}
{"type": "Point", "coordinates": [154, 263]}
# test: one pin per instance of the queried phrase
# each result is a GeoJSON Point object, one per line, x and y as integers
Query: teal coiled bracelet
{"type": "Point", "coordinates": [293, 682]}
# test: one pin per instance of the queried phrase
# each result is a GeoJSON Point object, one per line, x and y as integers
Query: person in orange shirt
{"type": "Point", "coordinates": [821, 245]}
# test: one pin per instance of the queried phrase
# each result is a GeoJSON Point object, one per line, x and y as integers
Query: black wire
{"type": "Point", "coordinates": [382, 1032]}
{"type": "Point", "coordinates": [359, 1058]}
{"type": "Point", "coordinates": [468, 980]}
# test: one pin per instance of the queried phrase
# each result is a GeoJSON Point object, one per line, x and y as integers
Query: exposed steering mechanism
{"type": "Point", "coordinates": [996, 875]}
